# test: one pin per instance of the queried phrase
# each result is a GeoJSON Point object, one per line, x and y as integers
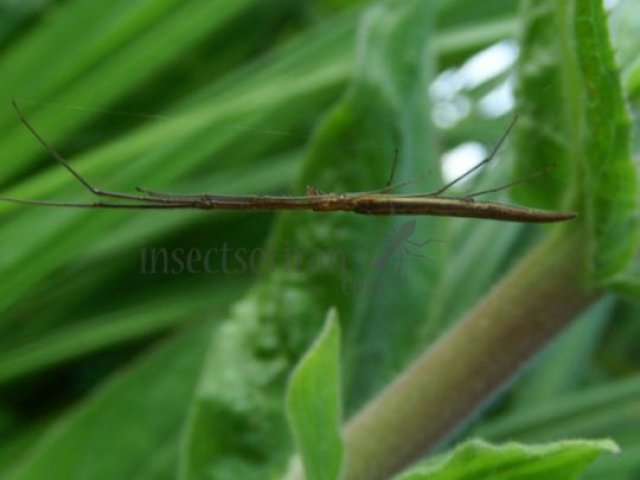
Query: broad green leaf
{"type": "Point", "coordinates": [128, 425]}
{"type": "Point", "coordinates": [580, 125]}
{"type": "Point", "coordinates": [314, 404]}
{"type": "Point", "coordinates": [478, 460]}
{"type": "Point", "coordinates": [608, 410]}
{"type": "Point", "coordinates": [612, 190]}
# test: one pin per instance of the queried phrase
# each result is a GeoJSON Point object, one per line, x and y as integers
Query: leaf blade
{"type": "Point", "coordinates": [314, 404]}
{"type": "Point", "coordinates": [479, 460]}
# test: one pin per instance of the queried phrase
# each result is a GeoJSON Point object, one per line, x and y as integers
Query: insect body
{"type": "Point", "coordinates": [370, 203]}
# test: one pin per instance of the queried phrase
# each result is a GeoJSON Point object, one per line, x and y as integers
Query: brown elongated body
{"type": "Point", "coordinates": [379, 204]}
{"type": "Point", "coordinates": [458, 207]}
{"type": "Point", "coordinates": [370, 203]}
{"type": "Point", "coordinates": [363, 204]}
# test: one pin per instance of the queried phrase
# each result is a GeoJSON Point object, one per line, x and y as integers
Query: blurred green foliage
{"type": "Point", "coordinates": [108, 372]}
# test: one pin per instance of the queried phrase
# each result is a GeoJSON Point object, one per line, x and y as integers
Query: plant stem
{"type": "Point", "coordinates": [472, 362]}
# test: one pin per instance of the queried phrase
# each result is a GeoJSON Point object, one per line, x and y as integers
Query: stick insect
{"type": "Point", "coordinates": [377, 202]}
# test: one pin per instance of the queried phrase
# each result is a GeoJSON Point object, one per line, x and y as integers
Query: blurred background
{"type": "Point", "coordinates": [225, 97]}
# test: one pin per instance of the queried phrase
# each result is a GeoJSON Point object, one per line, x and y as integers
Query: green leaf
{"type": "Point", "coordinates": [633, 78]}
{"type": "Point", "coordinates": [580, 124]}
{"type": "Point", "coordinates": [314, 404]}
{"type": "Point", "coordinates": [89, 335]}
{"type": "Point", "coordinates": [128, 425]}
{"type": "Point", "coordinates": [478, 460]}
{"type": "Point", "coordinates": [124, 44]}
{"type": "Point", "coordinates": [612, 188]}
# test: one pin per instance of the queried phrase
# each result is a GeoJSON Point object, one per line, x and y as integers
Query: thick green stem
{"type": "Point", "coordinates": [473, 361]}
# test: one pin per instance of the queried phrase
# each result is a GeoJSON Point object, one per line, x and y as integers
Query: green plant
{"type": "Point", "coordinates": [108, 372]}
